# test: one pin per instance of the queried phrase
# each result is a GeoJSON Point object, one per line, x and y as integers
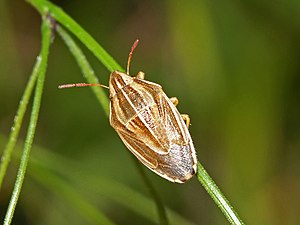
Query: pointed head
{"type": "Point", "coordinates": [117, 81]}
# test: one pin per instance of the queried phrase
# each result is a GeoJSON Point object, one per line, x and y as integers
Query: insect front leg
{"type": "Point", "coordinates": [186, 119]}
{"type": "Point", "coordinates": [140, 75]}
{"type": "Point", "coordinates": [174, 100]}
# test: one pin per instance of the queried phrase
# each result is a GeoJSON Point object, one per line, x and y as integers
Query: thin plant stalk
{"type": "Point", "coordinates": [15, 129]}
{"type": "Point", "coordinates": [46, 40]}
{"type": "Point", "coordinates": [218, 197]}
{"type": "Point", "coordinates": [85, 67]}
{"type": "Point", "coordinates": [60, 16]}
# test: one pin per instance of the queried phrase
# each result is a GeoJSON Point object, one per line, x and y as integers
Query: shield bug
{"type": "Point", "coordinates": [150, 125]}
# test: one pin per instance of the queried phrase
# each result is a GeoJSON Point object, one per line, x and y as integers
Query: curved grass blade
{"type": "Point", "coordinates": [218, 197]}
{"type": "Point", "coordinates": [46, 40]}
{"type": "Point", "coordinates": [85, 68]}
{"type": "Point", "coordinates": [15, 129]}
{"type": "Point", "coordinates": [59, 15]}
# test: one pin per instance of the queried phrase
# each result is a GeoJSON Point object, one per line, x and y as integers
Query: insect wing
{"type": "Point", "coordinates": [134, 111]}
{"type": "Point", "coordinates": [156, 134]}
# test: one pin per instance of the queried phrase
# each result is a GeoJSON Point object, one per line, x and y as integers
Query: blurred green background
{"type": "Point", "coordinates": [234, 66]}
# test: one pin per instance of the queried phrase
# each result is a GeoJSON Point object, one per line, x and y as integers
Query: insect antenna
{"type": "Point", "coordinates": [130, 54]}
{"type": "Point", "coordinates": [81, 85]}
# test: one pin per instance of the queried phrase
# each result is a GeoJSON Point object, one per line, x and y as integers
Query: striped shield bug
{"type": "Point", "coordinates": [149, 124]}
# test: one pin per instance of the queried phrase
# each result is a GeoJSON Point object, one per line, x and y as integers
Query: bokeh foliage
{"type": "Point", "coordinates": [234, 67]}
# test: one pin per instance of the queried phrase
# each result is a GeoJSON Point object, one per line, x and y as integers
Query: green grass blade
{"type": "Point", "coordinates": [46, 40]}
{"type": "Point", "coordinates": [15, 129]}
{"type": "Point", "coordinates": [218, 197]}
{"type": "Point", "coordinates": [85, 67]}
{"type": "Point", "coordinates": [45, 7]}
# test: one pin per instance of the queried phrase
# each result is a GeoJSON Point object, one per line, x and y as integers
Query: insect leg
{"type": "Point", "coordinates": [140, 75]}
{"type": "Point", "coordinates": [187, 119]}
{"type": "Point", "coordinates": [174, 100]}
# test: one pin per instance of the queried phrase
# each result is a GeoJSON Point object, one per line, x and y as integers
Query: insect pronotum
{"type": "Point", "coordinates": [149, 124]}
